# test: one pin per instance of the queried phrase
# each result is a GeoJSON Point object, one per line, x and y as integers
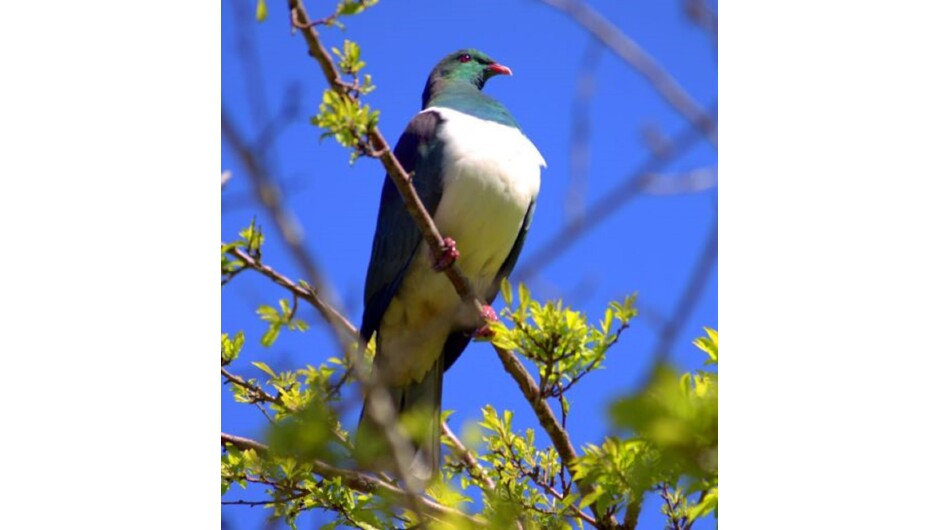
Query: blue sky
{"type": "Point", "coordinates": [648, 247]}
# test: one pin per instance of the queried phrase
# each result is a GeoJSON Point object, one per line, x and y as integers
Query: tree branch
{"type": "Point", "coordinates": [464, 454]}
{"type": "Point", "coordinates": [360, 481]}
{"type": "Point", "coordinates": [549, 422]}
{"type": "Point", "coordinates": [634, 55]}
{"type": "Point", "coordinates": [698, 279]}
{"type": "Point", "coordinates": [630, 188]}
{"type": "Point", "coordinates": [258, 393]}
{"type": "Point", "coordinates": [633, 513]}
{"type": "Point", "coordinates": [559, 497]}
{"type": "Point", "coordinates": [379, 408]}
{"type": "Point", "coordinates": [269, 195]}
{"type": "Point", "coordinates": [333, 317]}
{"type": "Point", "coordinates": [380, 148]}
{"type": "Point", "coordinates": [431, 235]}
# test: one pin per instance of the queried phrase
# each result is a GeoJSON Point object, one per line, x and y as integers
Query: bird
{"type": "Point", "coordinates": [478, 176]}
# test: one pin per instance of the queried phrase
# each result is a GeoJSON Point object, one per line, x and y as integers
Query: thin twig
{"type": "Point", "coordinates": [549, 423]}
{"type": "Point", "coordinates": [329, 313]}
{"type": "Point", "coordinates": [470, 462]}
{"type": "Point", "coordinates": [381, 404]}
{"type": "Point", "coordinates": [695, 286]}
{"type": "Point", "coordinates": [694, 181]}
{"type": "Point", "coordinates": [634, 55]}
{"type": "Point", "coordinates": [467, 457]}
{"type": "Point", "coordinates": [269, 193]}
{"type": "Point", "coordinates": [671, 508]}
{"type": "Point", "coordinates": [261, 396]}
{"type": "Point", "coordinates": [701, 497]}
{"type": "Point", "coordinates": [580, 146]}
{"type": "Point", "coordinates": [257, 392]}
{"type": "Point", "coordinates": [548, 489]}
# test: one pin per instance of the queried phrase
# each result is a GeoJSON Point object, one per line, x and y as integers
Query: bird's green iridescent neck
{"type": "Point", "coordinates": [466, 98]}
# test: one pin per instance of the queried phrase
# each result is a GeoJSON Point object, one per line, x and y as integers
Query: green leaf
{"type": "Point", "coordinates": [590, 498]}
{"type": "Point", "coordinates": [270, 335]}
{"type": "Point", "coordinates": [708, 504]}
{"type": "Point", "coordinates": [251, 238]}
{"type": "Point", "coordinates": [709, 345]}
{"type": "Point", "coordinates": [268, 313]}
{"type": "Point", "coordinates": [353, 7]}
{"type": "Point", "coordinates": [231, 347]}
{"type": "Point", "coordinates": [679, 416]}
{"type": "Point", "coordinates": [506, 289]}
{"type": "Point", "coordinates": [264, 368]}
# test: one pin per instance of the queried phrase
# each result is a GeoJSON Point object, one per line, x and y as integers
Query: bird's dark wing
{"type": "Point", "coordinates": [457, 341]}
{"type": "Point", "coordinates": [396, 235]}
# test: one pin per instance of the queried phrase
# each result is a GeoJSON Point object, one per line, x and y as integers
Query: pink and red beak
{"type": "Point", "coordinates": [498, 69]}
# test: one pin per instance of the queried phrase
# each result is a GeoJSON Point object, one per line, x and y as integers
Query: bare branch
{"type": "Point", "coordinates": [693, 181]}
{"type": "Point", "coordinates": [630, 188]}
{"type": "Point", "coordinates": [580, 147]}
{"type": "Point", "coordinates": [251, 64]}
{"type": "Point", "coordinates": [703, 16]}
{"type": "Point", "coordinates": [698, 279]}
{"type": "Point", "coordinates": [270, 196]}
{"type": "Point", "coordinates": [634, 55]}
{"type": "Point", "coordinates": [243, 443]}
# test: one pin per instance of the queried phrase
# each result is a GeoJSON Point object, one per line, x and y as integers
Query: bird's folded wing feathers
{"type": "Point", "coordinates": [397, 236]}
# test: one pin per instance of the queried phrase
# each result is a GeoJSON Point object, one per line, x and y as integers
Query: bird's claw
{"type": "Point", "coordinates": [449, 255]}
{"type": "Point", "coordinates": [484, 331]}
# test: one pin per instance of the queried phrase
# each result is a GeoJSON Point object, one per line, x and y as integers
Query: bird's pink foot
{"type": "Point", "coordinates": [484, 331]}
{"type": "Point", "coordinates": [448, 256]}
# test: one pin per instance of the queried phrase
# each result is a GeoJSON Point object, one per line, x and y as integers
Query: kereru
{"type": "Point", "coordinates": [478, 176]}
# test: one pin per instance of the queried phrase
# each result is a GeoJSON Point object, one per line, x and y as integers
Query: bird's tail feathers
{"type": "Point", "coordinates": [418, 407]}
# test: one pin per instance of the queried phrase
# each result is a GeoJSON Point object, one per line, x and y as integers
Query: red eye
{"type": "Point", "coordinates": [465, 58]}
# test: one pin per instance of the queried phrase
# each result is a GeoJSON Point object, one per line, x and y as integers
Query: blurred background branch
{"type": "Point", "coordinates": [635, 56]}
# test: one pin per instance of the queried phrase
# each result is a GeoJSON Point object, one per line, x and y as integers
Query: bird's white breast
{"type": "Point", "coordinates": [491, 174]}
{"type": "Point", "coordinates": [499, 157]}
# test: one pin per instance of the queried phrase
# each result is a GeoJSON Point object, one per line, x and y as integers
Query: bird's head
{"type": "Point", "coordinates": [467, 66]}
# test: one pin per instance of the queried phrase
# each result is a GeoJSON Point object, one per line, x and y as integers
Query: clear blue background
{"type": "Point", "coordinates": [648, 247]}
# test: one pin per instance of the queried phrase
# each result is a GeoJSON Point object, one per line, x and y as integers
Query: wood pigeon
{"type": "Point", "coordinates": [478, 176]}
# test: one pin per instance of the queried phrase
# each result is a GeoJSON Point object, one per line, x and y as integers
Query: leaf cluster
{"type": "Point", "coordinates": [250, 240]}
{"type": "Point", "coordinates": [342, 114]}
{"type": "Point", "coordinates": [670, 445]}
{"type": "Point", "coordinates": [561, 342]}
